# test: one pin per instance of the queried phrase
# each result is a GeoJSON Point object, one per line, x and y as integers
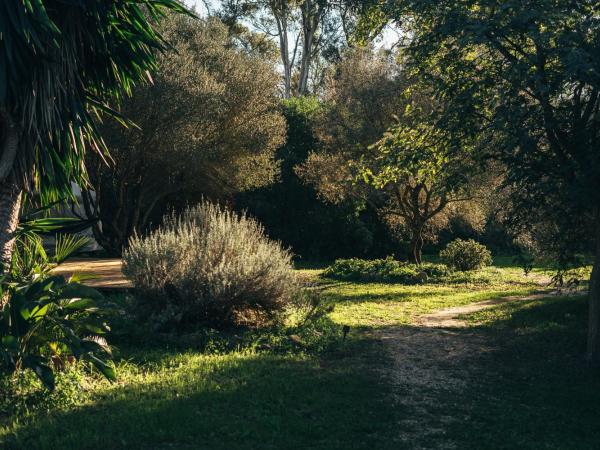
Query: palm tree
{"type": "Point", "coordinates": [61, 63]}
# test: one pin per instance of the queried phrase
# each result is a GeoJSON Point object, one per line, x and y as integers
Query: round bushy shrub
{"type": "Point", "coordinates": [210, 266]}
{"type": "Point", "coordinates": [466, 255]}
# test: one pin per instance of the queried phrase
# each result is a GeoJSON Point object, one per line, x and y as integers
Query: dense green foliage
{"type": "Point", "coordinates": [378, 150]}
{"type": "Point", "coordinates": [363, 93]}
{"type": "Point", "coordinates": [466, 255]}
{"type": "Point", "coordinates": [47, 320]}
{"type": "Point", "coordinates": [424, 172]}
{"type": "Point", "coordinates": [527, 81]}
{"type": "Point", "coordinates": [210, 266]}
{"type": "Point", "coordinates": [208, 125]}
{"type": "Point", "coordinates": [386, 270]}
{"type": "Point", "coordinates": [292, 212]}
{"type": "Point", "coordinates": [522, 78]}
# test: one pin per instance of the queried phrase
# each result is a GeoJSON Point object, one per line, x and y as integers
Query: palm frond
{"type": "Point", "coordinates": [62, 63]}
{"type": "Point", "coordinates": [66, 245]}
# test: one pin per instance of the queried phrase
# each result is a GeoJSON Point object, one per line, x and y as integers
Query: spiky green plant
{"type": "Point", "coordinates": [62, 62]}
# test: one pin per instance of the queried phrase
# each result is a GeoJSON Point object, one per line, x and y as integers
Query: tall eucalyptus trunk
{"type": "Point", "coordinates": [310, 22]}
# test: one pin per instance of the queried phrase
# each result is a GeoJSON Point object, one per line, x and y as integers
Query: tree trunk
{"type": "Point", "coordinates": [311, 18]}
{"type": "Point", "coordinates": [284, 51]}
{"type": "Point", "coordinates": [308, 33]}
{"type": "Point", "coordinates": [416, 246]}
{"type": "Point", "coordinates": [10, 203]}
{"type": "Point", "coordinates": [10, 191]}
{"type": "Point", "coordinates": [593, 344]}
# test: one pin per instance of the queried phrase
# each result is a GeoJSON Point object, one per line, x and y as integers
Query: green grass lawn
{"type": "Point", "coordinates": [372, 305]}
{"type": "Point", "coordinates": [237, 400]}
{"type": "Point", "coordinates": [531, 391]}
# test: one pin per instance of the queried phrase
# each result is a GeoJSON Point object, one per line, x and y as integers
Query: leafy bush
{"type": "Point", "coordinates": [47, 321]}
{"type": "Point", "coordinates": [466, 255]}
{"type": "Point", "coordinates": [210, 266]}
{"type": "Point", "coordinates": [386, 270]}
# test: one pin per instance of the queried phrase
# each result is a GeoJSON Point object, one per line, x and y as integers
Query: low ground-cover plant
{"type": "Point", "coordinates": [210, 266]}
{"type": "Point", "coordinates": [466, 255]}
{"type": "Point", "coordinates": [386, 270]}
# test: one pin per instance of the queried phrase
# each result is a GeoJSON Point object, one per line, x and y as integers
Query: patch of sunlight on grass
{"type": "Point", "coordinates": [378, 305]}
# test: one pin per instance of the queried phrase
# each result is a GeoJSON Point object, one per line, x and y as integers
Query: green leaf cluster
{"type": "Point", "coordinates": [46, 322]}
{"type": "Point", "coordinates": [61, 64]}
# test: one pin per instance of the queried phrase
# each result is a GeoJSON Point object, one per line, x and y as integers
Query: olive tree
{"type": "Point", "coordinates": [208, 126]}
{"type": "Point", "coordinates": [420, 176]}
{"type": "Point", "coordinates": [380, 149]}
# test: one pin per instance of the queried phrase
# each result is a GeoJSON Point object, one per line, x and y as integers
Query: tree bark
{"type": "Point", "coordinates": [593, 343]}
{"type": "Point", "coordinates": [416, 246]}
{"type": "Point", "coordinates": [10, 204]}
{"type": "Point", "coordinates": [279, 11]}
{"type": "Point", "coordinates": [309, 24]}
{"type": "Point", "coordinates": [10, 190]}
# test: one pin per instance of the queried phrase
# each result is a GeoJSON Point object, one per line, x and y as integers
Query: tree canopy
{"type": "Point", "coordinates": [525, 77]}
{"type": "Point", "coordinates": [209, 125]}
{"type": "Point", "coordinates": [305, 33]}
{"type": "Point", "coordinates": [380, 149]}
{"type": "Point", "coordinates": [61, 65]}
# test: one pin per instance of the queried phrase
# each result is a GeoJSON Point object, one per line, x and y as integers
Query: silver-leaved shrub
{"type": "Point", "coordinates": [210, 266]}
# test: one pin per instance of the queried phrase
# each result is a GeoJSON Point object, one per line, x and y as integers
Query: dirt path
{"type": "Point", "coordinates": [102, 273]}
{"type": "Point", "coordinates": [450, 317]}
{"type": "Point", "coordinates": [433, 358]}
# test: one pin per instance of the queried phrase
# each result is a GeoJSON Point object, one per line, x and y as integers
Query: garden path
{"type": "Point", "coordinates": [451, 317]}
{"type": "Point", "coordinates": [98, 273]}
{"type": "Point", "coordinates": [434, 358]}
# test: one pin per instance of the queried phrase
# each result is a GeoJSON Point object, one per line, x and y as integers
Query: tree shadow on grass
{"type": "Point", "coordinates": [539, 393]}
{"type": "Point", "coordinates": [257, 401]}
{"type": "Point", "coordinates": [516, 381]}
